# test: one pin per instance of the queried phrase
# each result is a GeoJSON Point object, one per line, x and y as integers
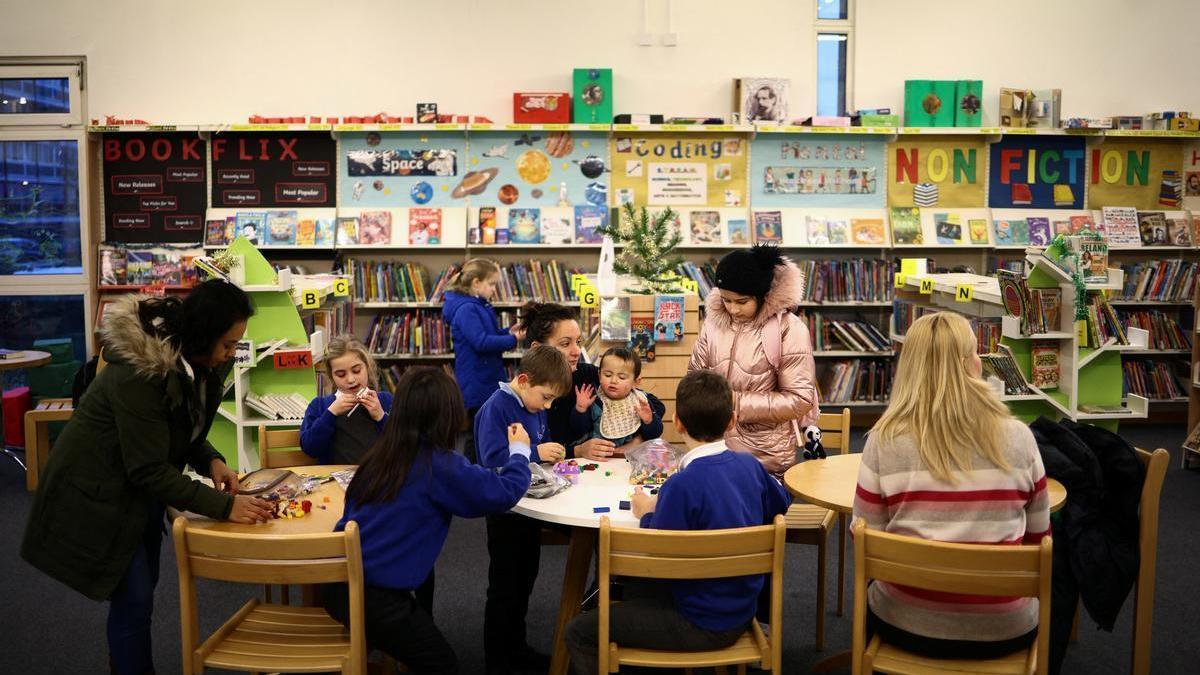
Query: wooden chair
{"type": "Point", "coordinates": [704, 554]}
{"type": "Point", "coordinates": [37, 435]}
{"type": "Point", "coordinates": [810, 524]}
{"type": "Point", "coordinates": [269, 439]}
{"type": "Point", "coordinates": [1022, 571]}
{"type": "Point", "coordinates": [265, 637]}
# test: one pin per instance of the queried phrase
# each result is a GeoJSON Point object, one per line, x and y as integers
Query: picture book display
{"type": "Point", "coordinates": [641, 336]}
{"type": "Point", "coordinates": [739, 231]}
{"type": "Point", "coordinates": [375, 227]}
{"type": "Point", "coordinates": [705, 227]}
{"type": "Point", "coordinates": [1044, 365]}
{"type": "Point", "coordinates": [668, 318]}
{"type": "Point", "coordinates": [347, 231]}
{"type": "Point", "coordinates": [524, 226]}
{"type": "Point", "coordinates": [1152, 226]}
{"type": "Point", "coordinates": [144, 265]}
{"type": "Point", "coordinates": [557, 229]}
{"type": "Point", "coordinates": [155, 187]}
{"type": "Point", "coordinates": [273, 169]}
{"type": "Point", "coordinates": [614, 319]}
{"type": "Point", "coordinates": [768, 226]}
{"type": "Point", "coordinates": [906, 225]}
{"type": "Point", "coordinates": [424, 226]}
{"type": "Point", "coordinates": [280, 228]}
{"type": "Point", "coordinates": [587, 219]}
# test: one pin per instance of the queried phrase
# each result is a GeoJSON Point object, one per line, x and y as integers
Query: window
{"type": "Point", "coordinates": [40, 230]}
{"type": "Point", "coordinates": [26, 318]}
{"type": "Point", "coordinates": [40, 94]}
{"type": "Point", "coordinates": [834, 29]}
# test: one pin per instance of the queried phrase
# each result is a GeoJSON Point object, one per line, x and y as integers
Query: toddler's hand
{"type": "Point", "coordinates": [585, 396]}
{"type": "Point", "coordinates": [644, 411]}
{"type": "Point", "coordinates": [517, 433]}
{"type": "Point", "coordinates": [551, 452]}
{"type": "Point", "coordinates": [642, 503]}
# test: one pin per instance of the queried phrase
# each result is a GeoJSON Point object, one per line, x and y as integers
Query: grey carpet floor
{"type": "Point", "coordinates": [47, 628]}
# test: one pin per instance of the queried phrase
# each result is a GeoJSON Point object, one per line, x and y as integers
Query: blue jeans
{"type": "Point", "coordinates": [132, 604]}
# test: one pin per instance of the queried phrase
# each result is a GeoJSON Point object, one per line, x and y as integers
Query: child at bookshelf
{"type": "Point", "coordinates": [479, 343]}
{"type": "Point", "coordinates": [514, 541]}
{"type": "Point", "coordinates": [714, 488]}
{"type": "Point", "coordinates": [339, 428]}
{"type": "Point", "coordinates": [751, 337]}
{"type": "Point", "coordinates": [618, 410]}
{"type": "Point", "coordinates": [946, 439]}
{"type": "Point", "coordinates": [409, 486]}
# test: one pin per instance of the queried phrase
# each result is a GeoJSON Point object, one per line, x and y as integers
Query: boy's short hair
{"type": "Point", "coordinates": [545, 365]}
{"type": "Point", "coordinates": [625, 354]}
{"type": "Point", "coordinates": [704, 405]}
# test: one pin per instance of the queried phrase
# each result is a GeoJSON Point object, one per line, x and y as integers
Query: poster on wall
{"type": "Point", "coordinates": [943, 172]}
{"type": "Point", "coordinates": [1191, 176]}
{"type": "Point", "coordinates": [155, 188]}
{"type": "Point", "coordinates": [384, 169]}
{"type": "Point", "coordinates": [536, 168]}
{"type": "Point", "coordinates": [1141, 173]}
{"type": "Point", "coordinates": [1037, 172]}
{"type": "Point", "coordinates": [807, 170]}
{"type": "Point", "coordinates": [293, 169]}
{"type": "Point", "coordinates": [683, 169]}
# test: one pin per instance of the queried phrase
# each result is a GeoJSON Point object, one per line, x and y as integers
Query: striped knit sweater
{"type": "Point", "coordinates": [986, 506]}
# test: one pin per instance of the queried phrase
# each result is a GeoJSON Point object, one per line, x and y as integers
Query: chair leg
{"type": "Point", "coordinates": [820, 643]}
{"type": "Point", "coordinates": [842, 527]}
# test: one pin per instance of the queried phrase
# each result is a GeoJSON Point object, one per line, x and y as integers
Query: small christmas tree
{"type": "Point", "coordinates": [648, 248]}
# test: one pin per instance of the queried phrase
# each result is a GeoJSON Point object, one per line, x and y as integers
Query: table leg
{"type": "Point", "coordinates": [834, 662]}
{"type": "Point", "coordinates": [579, 558]}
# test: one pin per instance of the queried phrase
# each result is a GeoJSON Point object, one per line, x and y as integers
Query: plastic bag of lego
{"type": "Point", "coordinates": [544, 482]}
{"type": "Point", "coordinates": [652, 462]}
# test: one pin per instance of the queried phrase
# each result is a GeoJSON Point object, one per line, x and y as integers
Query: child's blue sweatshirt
{"type": "Point", "coordinates": [718, 489]}
{"type": "Point", "coordinates": [319, 432]}
{"type": "Point", "coordinates": [401, 538]}
{"type": "Point", "coordinates": [491, 426]}
{"type": "Point", "coordinates": [479, 345]}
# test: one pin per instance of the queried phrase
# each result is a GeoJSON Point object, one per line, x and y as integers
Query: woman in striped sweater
{"type": "Point", "coordinates": [947, 462]}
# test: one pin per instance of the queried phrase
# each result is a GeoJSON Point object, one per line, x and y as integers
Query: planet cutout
{"type": "Point", "coordinates": [533, 166]}
{"type": "Point", "coordinates": [508, 193]}
{"type": "Point", "coordinates": [421, 193]}
{"type": "Point", "coordinates": [474, 183]}
{"type": "Point", "coordinates": [591, 166]}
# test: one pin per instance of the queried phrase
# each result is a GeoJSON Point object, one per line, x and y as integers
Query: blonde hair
{"type": "Point", "coordinates": [948, 413]}
{"type": "Point", "coordinates": [472, 270]}
{"type": "Point", "coordinates": [347, 344]}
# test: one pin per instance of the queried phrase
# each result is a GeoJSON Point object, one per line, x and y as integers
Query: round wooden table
{"type": "Point", "coordinates": [28, 358]}
{"type": "Point", "coordinates": [831, 483]}
{"type": "Point", "coordinates": [318, 521]}
{"type": "Point", "coordinates": [575, 508]}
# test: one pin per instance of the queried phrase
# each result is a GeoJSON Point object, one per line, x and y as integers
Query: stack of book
{"type": "Point", "coordinates": [864, 380]}
{"type": "Point", "coordinates": [1165, 331]}
{"type": "Point", "coordinates": [1155, 379]}
{"type": "Point", "coordinates": [151, 265]}
{"type": "Point", "coordinates": [856, 280]}
{"type": "Point", "coordinates": [987, 334]}
{"type": "Point", "coordinates": [544, 281]}
{"type": "Point", "coordinates": [417, 333]}
{"type": "Point", "coordinates": [857, 336]}
{"type": "Point", "coordinates": [332, 318]}
{"type": "Point", "coordinates": [1045, 309]}
{"type": "Point", "coordinates": [1001, 364]}
{"type": "Point", "coordinates": [704, 274]}
{"type": "Point", "coordinates": [1160, 281]}
{"type": "Point", "coordinates": [1103, 324]}
{"type": "Point", "coordinates": [277, 406]}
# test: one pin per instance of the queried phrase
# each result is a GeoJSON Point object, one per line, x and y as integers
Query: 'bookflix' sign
{"type": "Point", "coordinates": [256, 169]}
{"type": "Point", "coordinates": [154, 188]}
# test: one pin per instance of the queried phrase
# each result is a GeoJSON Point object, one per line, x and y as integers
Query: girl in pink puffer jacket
{"type": "Point", "coordinates": [764, 350]}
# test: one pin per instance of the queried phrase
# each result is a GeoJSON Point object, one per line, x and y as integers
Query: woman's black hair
{"type": "Point", "coordinates": [197, 322]}
{"type": "Point", "coordinates": [427, 414]}
{"type": "Point", "coordinates": [539, 319]}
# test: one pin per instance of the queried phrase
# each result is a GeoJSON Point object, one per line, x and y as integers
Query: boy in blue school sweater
{"type": "Point", "coordinates": [715, 488]}
{"type": "Point", "coordinates": [514, 541]}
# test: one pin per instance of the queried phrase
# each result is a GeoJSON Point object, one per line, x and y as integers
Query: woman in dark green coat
{"type": "Point", "coordinates": [97, 519]}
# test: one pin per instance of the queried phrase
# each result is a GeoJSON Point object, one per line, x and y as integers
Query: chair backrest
{"type": "Point", "coordinates": [1143, 598]}
{"type": "Point", "coordinates": [693, 554]}
{"type": "Point", "coordinates": [245, 558]}
{"type": "Point", "coordinates": [269, 439]}
{"type": "Point", "coordinates": [835, 431]}
{"type": "Point", "coordinates": [975, 569]}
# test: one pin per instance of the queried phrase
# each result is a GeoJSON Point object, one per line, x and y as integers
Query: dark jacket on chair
{"type": "Point", "coordinates": [122, 451]}
{"type": "Point", "coordinates": [1096, 535]}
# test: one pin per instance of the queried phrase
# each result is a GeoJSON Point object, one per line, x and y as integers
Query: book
{"type": "Point", "coordinates": [614, 319]}
{"type": "Point", "coordinates": [1179, 230]}
{"type": "Point", "coordinates": [739, 231]}
{"type": "Point", "coordinates": [138, 267]}
{"type": "Point", "coordinates": [668, 318]}
{"type": "Point", "coordinates": [243, 354]}
{"type": "Point", "coordinates": [588, 217]}
{"type": "Point", "coordinates": [1015, 107]}
{"type": "Point", "coordinates": [487, 225]}
{"type": "Point", "coordinates": [214, 233]}
{"type": "Point", "coordinates": [347, 231]}
{"type": "Point", "coordinates": [1121, 225]}
{"type": "Point", "coordinates": [1152, 226]}
{"type": "Point", "coordinates": [1092, 409]}
{"type": "Point", "coordinates": [1193, 439]}
{"type": "Point", "coordinates": [424, 226]}
{"type": "Point", "coordinates": [1002, 365]}
{"type": "Point", "coordinates": [837, 231]}
{"type": "Point", "coordinates": [1039, 230]}
{"type": "Point", "coordinates": [768, 226]}
{"type": "Point", "coordinates": [306, 232]}
{"type": "Point", "coordinates": [817, 230]}
{"type": "Point", "coordinates": [1093, 258]}
{"type": "Point", "coordinates": [906, 225]}
{"type": "Point", "coordinates": [1044, 365]}
{"type": "Point", "coordinates": [250, 225]}
{"type": "Point", "coordinates": [524, 226]}
{"type": "Point", "coordinates": [557, 230]}
{"type": "Point", "coordinates": [323, 234]}
{"type": "Point", "coordinates": [1045, 309]}
{"type": "Point", "coordinates": [164, 269]}
{"type": "Point", "coordinates": [1084, 222]}
{"type": "Point", "coordinates": [375, 227]}
{"type": "Point", "coordinates": [1003, 232]}
{"type": "Point", "coordinates": [1170, 192]}
{"type": "Point", "coordinates": [281, 228]}
{"type": "Point", "coordinates": [978, 229]}
{"type": "Point", "coordinates": [948, 228]}
{"type": "Point", "coordinates": [867, 231]}
{"type": "Point", "coordinates": [641, 337]}
{"type": "Point", "coordinates": [1014, 294]}
{"type": "Point", "coordinates": [705, 227]}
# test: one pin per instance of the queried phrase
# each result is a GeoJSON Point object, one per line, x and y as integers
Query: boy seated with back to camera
{"type": "Point", "coordinates": [714, 488]}
{"type": "Point", "coordinates": [618, 411]}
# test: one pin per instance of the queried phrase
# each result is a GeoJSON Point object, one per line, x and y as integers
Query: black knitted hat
{"type": "Point", "coordinates": [749, 271]}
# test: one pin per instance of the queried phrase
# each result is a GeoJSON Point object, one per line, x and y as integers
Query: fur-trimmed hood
{"type": "Point", "coordinates": [124, 340]}
{"type": "Point", "coordinates": [787, 289]}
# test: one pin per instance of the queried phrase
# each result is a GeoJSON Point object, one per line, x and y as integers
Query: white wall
{"type": "Point", "coordinates": [220, 60]}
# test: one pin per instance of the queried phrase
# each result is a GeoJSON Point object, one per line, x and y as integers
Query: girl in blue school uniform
{"type": "Point", "coordinates": [403, 496]}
